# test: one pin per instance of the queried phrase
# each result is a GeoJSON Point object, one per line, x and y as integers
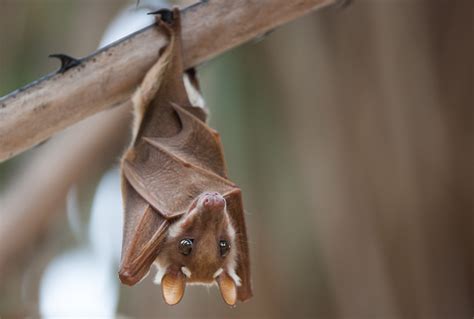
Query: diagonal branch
{"type": "Point", "coordinates": [108, 77]}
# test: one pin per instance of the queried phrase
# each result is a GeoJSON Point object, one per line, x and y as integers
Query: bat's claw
{"type": "Point", "coordinates": [67, 61]}
{"type": "Point", "coordinates": [166, 15]}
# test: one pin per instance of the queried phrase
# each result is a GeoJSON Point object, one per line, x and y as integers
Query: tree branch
{"type": "Point", "coordinates": [108, 77]}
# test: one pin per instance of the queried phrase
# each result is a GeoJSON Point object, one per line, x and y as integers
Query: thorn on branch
{"type": "Point", "coordinates": [166, 15]}
{"type": "Point", "coordinates": [67, 61]}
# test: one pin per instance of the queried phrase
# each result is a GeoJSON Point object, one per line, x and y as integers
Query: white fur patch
{"type": "Point", "coordinates": [205, 284]}
{"type": "Point", "coordinates": [161, 271]}
{"type": "Point", "coordinates": [194, 95]}
{"type": "Point", "coordinates": [234, 276]}
{"type": "Point", "coordinates": [174, 230]}
{"type": "Point", "coordinates": [230, 228]}
{"type": "Point", "coordinates": [186, 271]}
{"type": "Point", "coordinates": [217, 273]}
{"type": "Point", "coordinates": [232, 258]}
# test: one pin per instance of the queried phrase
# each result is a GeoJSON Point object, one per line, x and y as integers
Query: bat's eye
{"type": "Point", "coordinates": [186, 246]}
{"type": "Point", "coordinates": [224, 247]}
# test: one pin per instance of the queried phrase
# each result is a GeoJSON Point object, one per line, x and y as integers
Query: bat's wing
{"type": "Point", "coordinates": [167, 179]}
{"type": "Point", "coordinates": [236, 213]}
{"type": "Point", "coordinates": [170, 172]}
{"type": "Point", "coordinates": [144, 230]}
{"type": "Point", "coordinates": [196, 143]}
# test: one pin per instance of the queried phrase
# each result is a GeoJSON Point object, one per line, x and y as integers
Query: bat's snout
{"type": "Point", "coordinates": [213, 201]}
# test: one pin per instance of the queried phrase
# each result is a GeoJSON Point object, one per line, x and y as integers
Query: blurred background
{"type": "Point", "coordinates": [350, 132]}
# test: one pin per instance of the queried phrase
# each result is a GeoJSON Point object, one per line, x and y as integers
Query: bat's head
{"type": "Point", "coordinates": [200, 249]}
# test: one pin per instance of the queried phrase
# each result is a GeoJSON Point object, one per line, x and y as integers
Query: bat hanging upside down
{"type": "Point", "coordinates": [181, 211]}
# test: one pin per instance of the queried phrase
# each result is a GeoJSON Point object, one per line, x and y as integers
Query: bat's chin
{"type": "Point", "coordinates": [206, 283]}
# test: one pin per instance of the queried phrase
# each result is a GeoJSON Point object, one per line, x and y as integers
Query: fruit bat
{"type": "Point", "coordinates": [182, 213]}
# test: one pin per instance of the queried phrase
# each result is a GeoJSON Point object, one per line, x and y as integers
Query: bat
{"type": "Point", "coordinates": [181, 212]}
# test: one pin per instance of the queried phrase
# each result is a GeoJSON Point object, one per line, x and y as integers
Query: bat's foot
{"type": "Point", "coordinates": [212, 201]}
{"type": "Point", "coordinates": [166, 15]}
{"type": "Point", "coordinates": [67, 61]}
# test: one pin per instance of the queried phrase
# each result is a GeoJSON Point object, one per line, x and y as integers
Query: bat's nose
{"type": "Point", "coordinates": [213, 201]}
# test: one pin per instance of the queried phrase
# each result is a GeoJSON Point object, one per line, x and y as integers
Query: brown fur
{"type": "Point", "coordinates": [206, 227]}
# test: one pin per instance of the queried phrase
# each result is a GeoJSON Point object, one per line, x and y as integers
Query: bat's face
{"type": "Point", "coordinates": [199, 249]}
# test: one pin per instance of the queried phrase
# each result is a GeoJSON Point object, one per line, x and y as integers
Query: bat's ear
{"type": "Point", "coordinates": [228, 288]}
{"type": "Point", "coordinates": [173, 284]}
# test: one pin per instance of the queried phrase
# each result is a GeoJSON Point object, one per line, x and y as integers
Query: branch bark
{"type": "Point", "coordinates": [106, 78]}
